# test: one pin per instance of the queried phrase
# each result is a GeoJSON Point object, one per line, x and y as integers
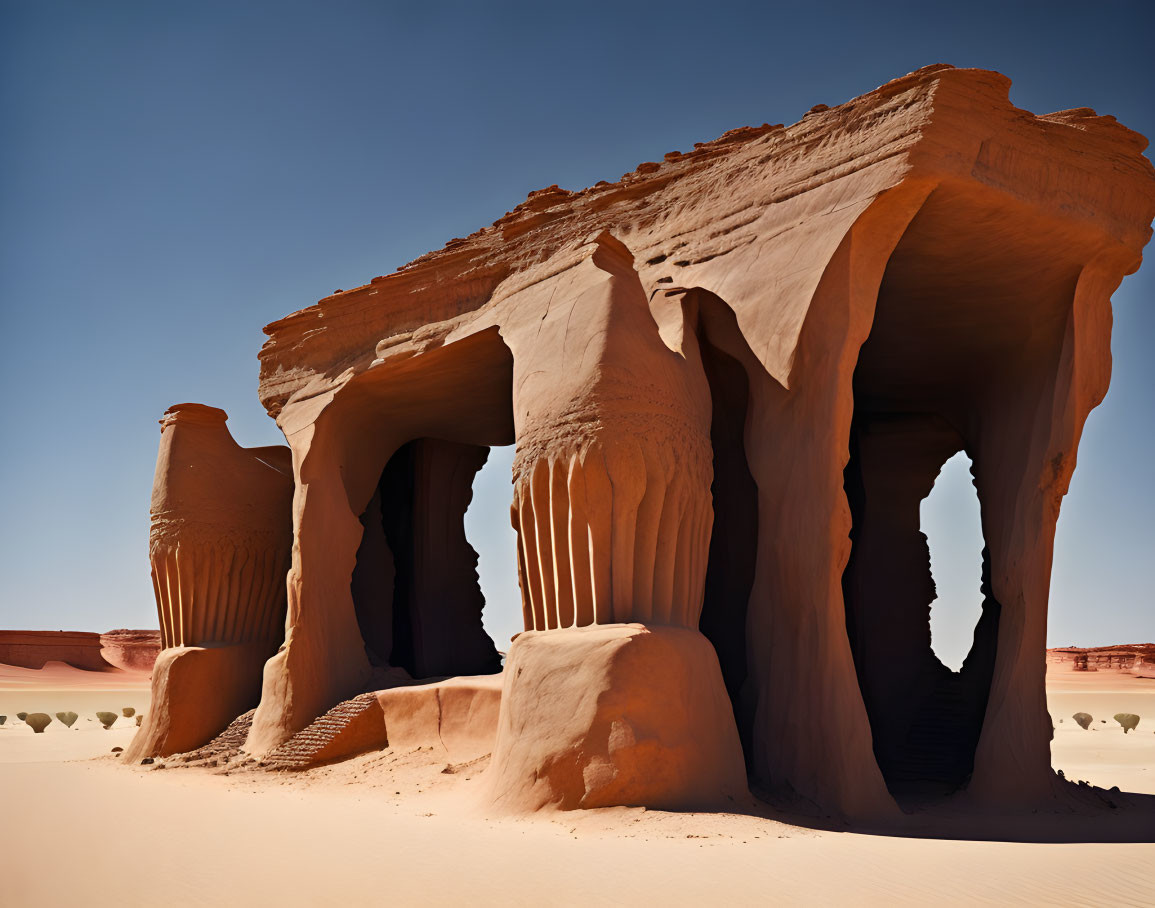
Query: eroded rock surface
{"type": "Point", "coordinates": [126, 650]}
{"type": "Point", "coordinates": [731, 377]}
{"type": "Point", "coordinates": [219, 546]}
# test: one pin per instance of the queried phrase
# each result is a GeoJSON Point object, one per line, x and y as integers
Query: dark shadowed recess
{"type": "Point", "coordinates": [414, 585]}
{"type": "Point", "coordinates": [734, 540]}
{"type": "Point", "coordinates": [436, 600]}
{"type": "Point", "coordinates": [970, 313]}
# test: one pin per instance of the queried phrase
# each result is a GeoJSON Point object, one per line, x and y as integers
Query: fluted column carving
{"type": "Point", "coordinates": [612, 476]}
{"type": "Point", "coordinates": [614, 512]}
{"type": "Point", "coordinates": [615, 529]}
{"type": "Point", "coordinates": [219, 545]}
{"type": "Point", "coordinates": [221, 533]}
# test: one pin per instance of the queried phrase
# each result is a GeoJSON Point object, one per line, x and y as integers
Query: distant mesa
{"type": "Point", "coordinates": [116, 650]}
{"type": "Point", "coordinates": [1136, 658]}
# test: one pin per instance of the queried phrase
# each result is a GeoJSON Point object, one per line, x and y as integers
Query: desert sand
{"type": "Point", "coordinates": [1103, 755]}
{"type": "Point", "coordinates": [394, 824]}
{"type": "Point", "coordinates": [59, 687]}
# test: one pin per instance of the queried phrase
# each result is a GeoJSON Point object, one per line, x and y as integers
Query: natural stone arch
{"type": "Point", "coordinates": [818, 239]}
{"type": "Point", "coordinates": [446, 398]}
{"type": "Point", "coordinates": [965, 347]}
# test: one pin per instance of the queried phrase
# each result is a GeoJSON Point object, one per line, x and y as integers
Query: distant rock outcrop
{"type": "Point", "coordinates": [130, 650]}
{"type": "Point", "coordinates": [127, 650]}
{"type": "Point", "coordinates": [1138, 658]}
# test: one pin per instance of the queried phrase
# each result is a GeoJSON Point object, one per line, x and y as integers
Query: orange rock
{"type": "Point", "coordinates": [120, 649]}
{"type": "Point", "coordinates": [130, 650]}
{"type": "Point", "coordinates": [219, 547]}
{"type": "Point", "coordinates": [730, 378]}
{"type": "Point", "coordinates": [616, 714]}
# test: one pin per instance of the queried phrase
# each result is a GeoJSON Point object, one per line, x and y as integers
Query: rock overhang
{"type": "Point", "coordinates": [733, 311]}
{"type": "Point", "coordinates": [682, 218]}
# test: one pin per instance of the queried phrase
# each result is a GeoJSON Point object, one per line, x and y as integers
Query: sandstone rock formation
{"type": "Point", "coordinates": [126, 650]}
{"type": "Point", "coordinates": [219, 546]}
{"type": "Point", "coordinates": [615, 714]}
{"type": "Point", "coordinates": [1137, 658]}
{"type": "Point", "coordinates": [731, 377]}
{"type": "Point", "coordinates": [129, 650]}
{"type": "Point", "coordinates": [456, 717]}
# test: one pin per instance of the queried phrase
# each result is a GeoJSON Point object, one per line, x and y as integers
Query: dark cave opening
{"type": "Point", "coordinates": [925, 719]}
{"type": "Point", "coordinates": [971, 309]}
{"type": "Point", "coordinates": [415, 586]}
{"type": "Point", "coordinates": [412, 436]}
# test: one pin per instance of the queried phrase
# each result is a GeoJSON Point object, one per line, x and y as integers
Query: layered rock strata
{"type": "Point", "coordinates": [124, 650]}
{"type": "Point", "coordinates": [731, 376]}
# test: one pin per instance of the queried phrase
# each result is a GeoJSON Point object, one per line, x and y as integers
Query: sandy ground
{"type": "Point", "coordinates": [397, 827]}
{"type": "Point", "coordinates": [1103, 755]}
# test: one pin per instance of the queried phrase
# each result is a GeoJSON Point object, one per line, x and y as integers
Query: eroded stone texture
{"type": "Point", "coordinates": [615, 714]}
{"type": "Point", "coordinates": [731, 378]}
{"type": "Point", "coordinates": [219, 547]}
{"type": "Point", "coordinates": [613, 467]}
{"type": "Point", "coordinates": [126, 650]}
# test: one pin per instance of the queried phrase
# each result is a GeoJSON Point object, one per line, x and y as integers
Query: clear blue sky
{"type": "Point", "coordinates": [175, 175]}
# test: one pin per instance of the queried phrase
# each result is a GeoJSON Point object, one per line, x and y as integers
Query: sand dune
{"type": "Point", "coordinates": [60, 676]}
{"type": "Point", "coordinates": [270, 840]}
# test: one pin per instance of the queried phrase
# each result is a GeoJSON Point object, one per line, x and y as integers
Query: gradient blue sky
{"type": "Point", "coordinates": [173, 176]}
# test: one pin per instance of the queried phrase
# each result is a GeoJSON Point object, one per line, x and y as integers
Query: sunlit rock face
{"type": "Point", "coordinates": [219, 546]}
{"type": "Point", "coordinates": [126, 650]}
{"type": "Point", "coordinates": [731, 378]}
